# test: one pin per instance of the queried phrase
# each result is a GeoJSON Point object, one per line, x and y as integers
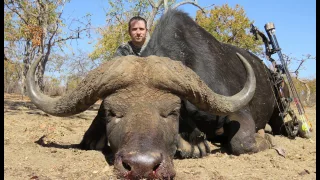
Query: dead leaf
{"type": "Point", "coordinates": [280, 151]}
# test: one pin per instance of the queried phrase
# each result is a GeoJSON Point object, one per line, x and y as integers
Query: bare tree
{"type": "Point", "coordinates": [296, 71]}
{"type": "Point", "coordinates": [303, 81]}
{"type": "Point", "coordinates": [39, 25]}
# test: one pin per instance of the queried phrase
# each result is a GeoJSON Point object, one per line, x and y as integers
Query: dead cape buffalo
{"type": "Point", "coordinates": [146, 118]}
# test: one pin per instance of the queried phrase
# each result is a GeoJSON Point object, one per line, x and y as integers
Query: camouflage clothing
{"type": "Point", "coordinates": [127, 49]}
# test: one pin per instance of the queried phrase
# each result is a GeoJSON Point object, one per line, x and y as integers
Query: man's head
{"type": "Point", "coordinates": [138, 30]}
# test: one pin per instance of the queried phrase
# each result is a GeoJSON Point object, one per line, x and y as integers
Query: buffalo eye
{"type": "Point", "coordinates": [111, 113]}
{"type": "Point", "coordinates": [173, 113]}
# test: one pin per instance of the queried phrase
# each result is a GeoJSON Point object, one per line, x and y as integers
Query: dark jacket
{"type": "Point", "coordinates": [127, 49]}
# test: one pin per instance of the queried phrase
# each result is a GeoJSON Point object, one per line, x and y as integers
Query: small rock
{"type": "Point", "coordinates": [186, 172]}
{"type": "Point", "coordinates": [75, 150]}
{"type": "Point", "coordinates": [34, 177]}
{"type": "Point", "coordinates": [304, 172]}
{"type": "Point", "coordinates": [280, 151]}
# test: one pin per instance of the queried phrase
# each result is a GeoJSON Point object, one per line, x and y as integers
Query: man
{"type": "Point", "coordinates": [138, 32]}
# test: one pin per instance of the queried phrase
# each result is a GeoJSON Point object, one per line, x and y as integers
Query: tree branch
{"type": "Point", "coordinates": [302, 61]}
{"type": "Point", "coordinates": [152, 3]}
{"type": "Point", "coordinates": [208, 6]}
{"type": "Point", "coordinates": [15, 11]}
{"type": "Point", "coordinates": [159, 4]}
{"type": "Point", "coordinates": [195, 3]}
{"type": "Point", "coordinates": [165, 5]}
{"type": "Point", "coordinates": [70, 37]}
{"type": "Point", "coordinates": [54, 31]}
{"type": "Point", "coordinates": [151, 17]}
{"type": "Point", "coordinates": [67, 38]}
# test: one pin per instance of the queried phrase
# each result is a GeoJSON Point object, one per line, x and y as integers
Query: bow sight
{"type": "Point", "coordinates": [295, 125]}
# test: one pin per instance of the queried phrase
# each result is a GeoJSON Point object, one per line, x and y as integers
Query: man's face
{"type": "Point", "coordinates": [138, 32]}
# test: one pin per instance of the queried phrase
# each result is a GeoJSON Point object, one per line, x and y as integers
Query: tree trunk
{"type": "Point", "coordinates": [308, 94]}
{"type": "Point", "coordinates": [26, 65]}
{"type": "Point", "coordinates": [40, 78]}
{"type": "Point", "coordinates": [40, 72]}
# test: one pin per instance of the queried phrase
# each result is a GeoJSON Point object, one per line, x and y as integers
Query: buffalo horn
{"type": "Point", "coordinates": [182, 81]}
{"type": "Point", "coordinates": [99, 83]}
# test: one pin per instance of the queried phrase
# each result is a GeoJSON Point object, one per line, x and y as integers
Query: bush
{"type": "Point", "coordinates": [52, 87]}
{"type": "Point", "coordinates": [11, 77]}
{"type": "Point", "coordinates": [302, 91]}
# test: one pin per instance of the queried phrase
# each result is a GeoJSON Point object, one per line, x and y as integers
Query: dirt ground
{"type": "Point", "coordinates": [24, 158]}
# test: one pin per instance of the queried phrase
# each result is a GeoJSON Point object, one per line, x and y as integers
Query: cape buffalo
{"type": "Point", "coordinates": [186, 89]}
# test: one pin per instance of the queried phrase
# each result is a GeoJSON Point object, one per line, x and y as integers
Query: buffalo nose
{"type": "Point", "coordinates": [143, 165]}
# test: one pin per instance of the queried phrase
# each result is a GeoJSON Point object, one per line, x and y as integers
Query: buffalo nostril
{"type": "Point", "coordinates": [156, 167]}
{"type": "Point", "coordinates": [126, 166]}
{"type": "Point", "coordinates": [151, 165]}
{"type": "Point", "coordinates": [142, 165]}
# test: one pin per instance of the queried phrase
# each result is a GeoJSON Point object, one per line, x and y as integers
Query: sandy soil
{"type": "Point", "coordinates": [24, 158]}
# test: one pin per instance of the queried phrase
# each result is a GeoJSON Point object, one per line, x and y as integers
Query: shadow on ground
{"type": "Point", "coordinates": [106, 151]}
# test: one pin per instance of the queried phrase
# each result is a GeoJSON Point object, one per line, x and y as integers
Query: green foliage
{"type": "Point", "coordinates": [11, 71]}
{"type": "Point", "coordinates": [112, 37]}
{"type": "Point", "coordinates": [9, 26]}
{"type": "Point", "coordinates": [11, 77]}
{"type": "Point", "coordinates": [72, 82]}
{"type": "Point", "coordinates": [230, 25]}
{"type": "Point", "coordinates": [26, 22]}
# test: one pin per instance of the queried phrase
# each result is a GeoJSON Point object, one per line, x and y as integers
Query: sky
{"type": "Point", "coordinates": [295, 23]}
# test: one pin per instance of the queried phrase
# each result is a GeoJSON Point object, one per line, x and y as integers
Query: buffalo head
{"type": "Point", "coordinates": [142, 101]}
